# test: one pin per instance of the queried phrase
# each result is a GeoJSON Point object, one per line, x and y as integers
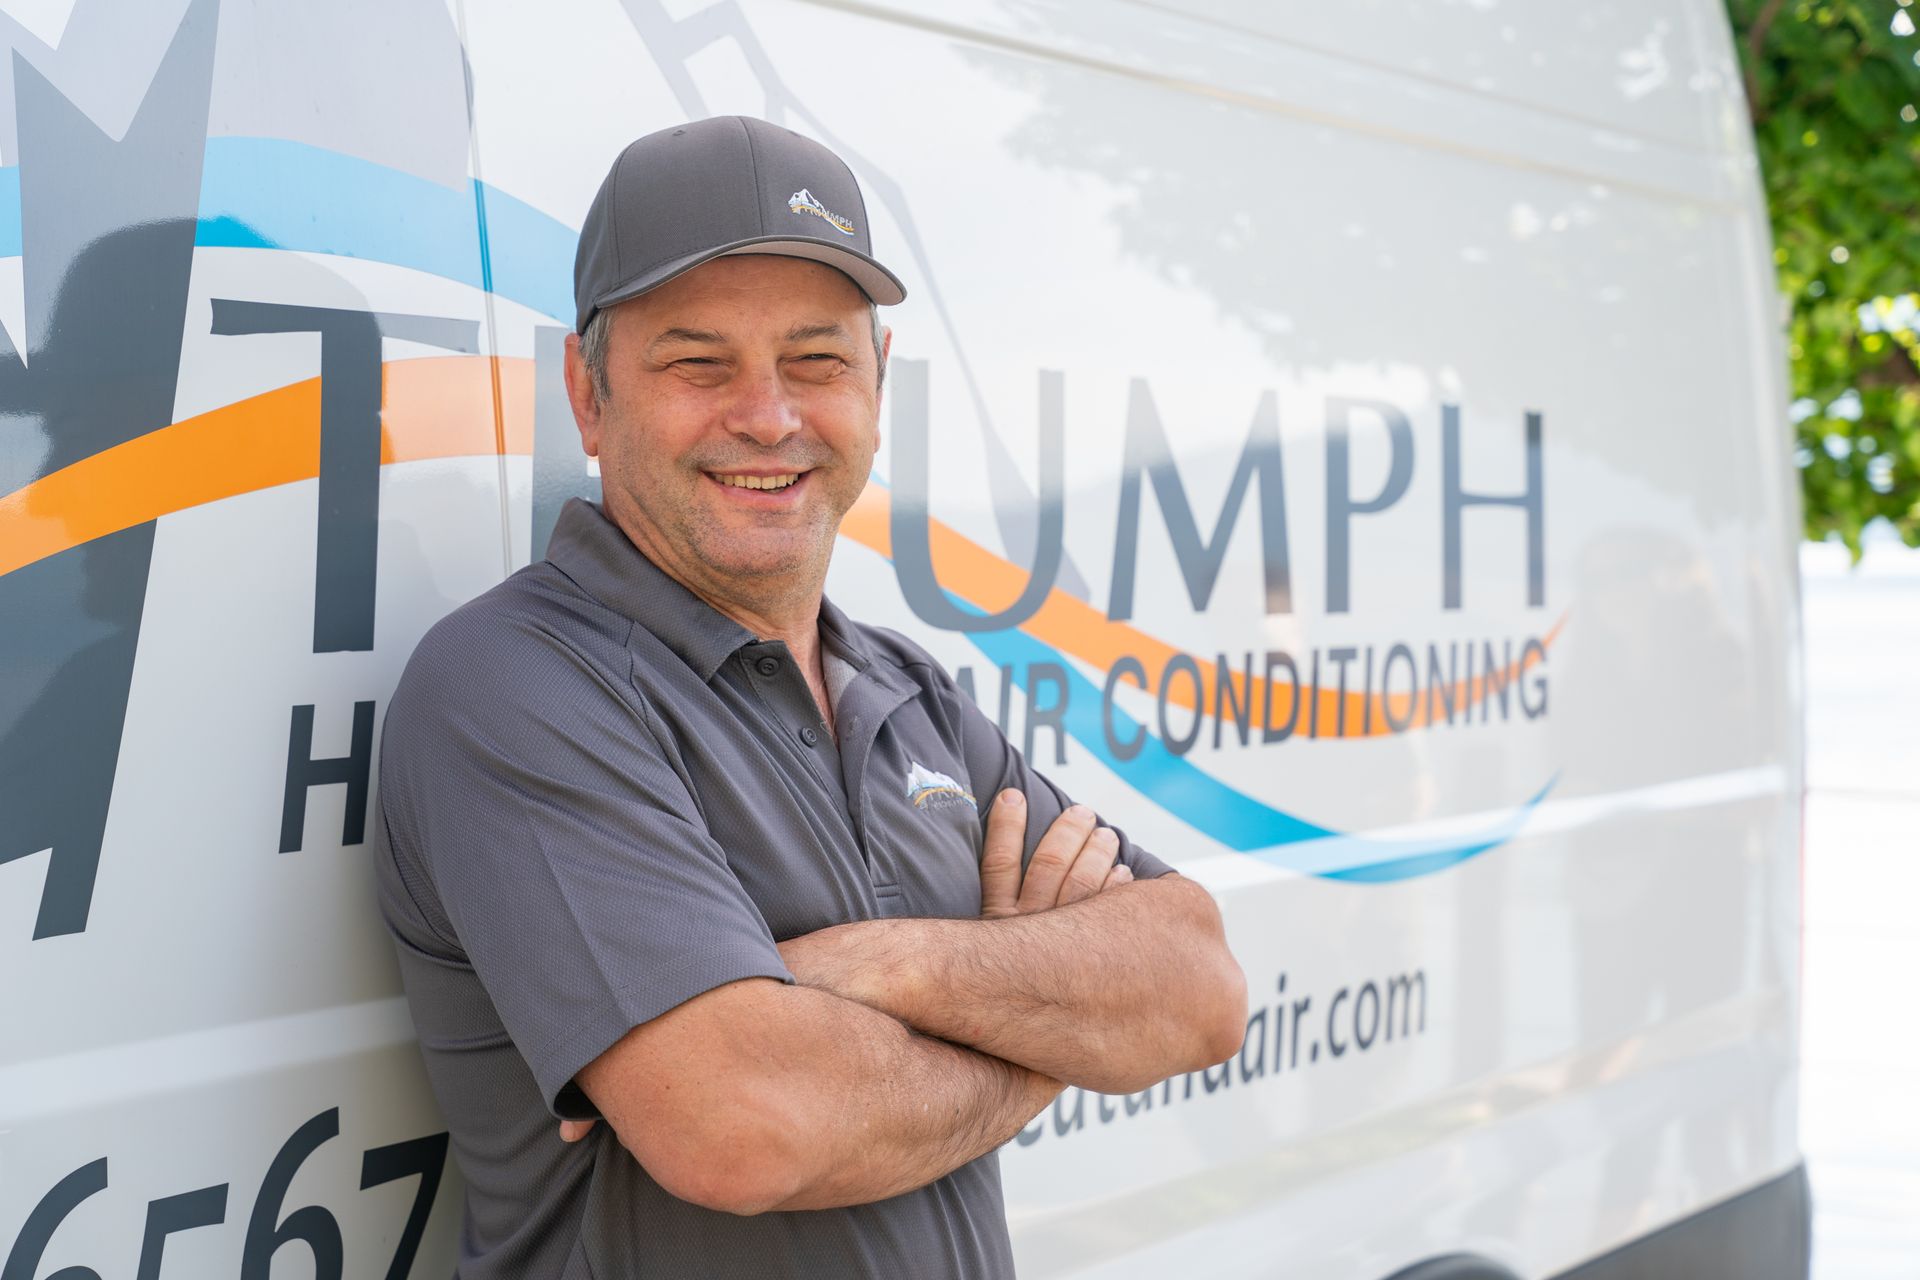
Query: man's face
{"type": "Point", "coordinates": [741, 420]}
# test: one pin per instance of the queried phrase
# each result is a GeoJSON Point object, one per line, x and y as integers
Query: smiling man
{"type": "Point", "coordinates": [666, 839]}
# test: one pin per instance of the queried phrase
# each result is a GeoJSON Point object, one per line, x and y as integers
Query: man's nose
{"type": "Point", "coordinates": [763, 410]}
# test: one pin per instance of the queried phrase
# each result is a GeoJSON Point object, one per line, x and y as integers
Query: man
{"type": "Point", "coordinates": [666, 839]}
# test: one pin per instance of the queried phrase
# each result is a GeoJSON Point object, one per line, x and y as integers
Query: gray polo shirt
{"type": "Point", "coordinates": [599, 797]}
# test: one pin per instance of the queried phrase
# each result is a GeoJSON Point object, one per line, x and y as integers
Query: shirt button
{"type": "Point", "coordinates": [768, 666]}
{"type": "Point", "coordinates": [808, 736]}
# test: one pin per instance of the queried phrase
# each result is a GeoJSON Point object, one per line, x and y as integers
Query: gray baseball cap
{"type": "Point", "coordinates": [730, 184]}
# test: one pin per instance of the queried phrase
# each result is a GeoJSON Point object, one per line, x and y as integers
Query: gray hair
{"type": "Point", "coordinates": [593, 351]}
{"type": "Point", "coordinates": [593, 348]}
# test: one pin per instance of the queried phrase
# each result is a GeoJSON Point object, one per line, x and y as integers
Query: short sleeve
{"type": "Point", "coordinates": [995, 764]}
{"type": "Point", "coordinates": [533, 813]}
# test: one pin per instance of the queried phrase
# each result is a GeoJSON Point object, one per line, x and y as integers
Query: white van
{"type": "Point", "coordinates": [1345, 446]}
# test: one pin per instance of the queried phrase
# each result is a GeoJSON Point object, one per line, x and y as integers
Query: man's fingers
{"type": "Point", "coordinates": [1121, 874]}
{"type": "Point", "coordinates": [1090, 868]}
{"type": "Point", "coordinates": [1005, 839]}
{"type": "Point", "coordinates": [574, 1130]}
{"type": "Point", "coordinates": [1053, 857]}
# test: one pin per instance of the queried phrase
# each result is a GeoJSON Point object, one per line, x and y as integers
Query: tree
{"type": "Point", "coordinates": [1834, 92]}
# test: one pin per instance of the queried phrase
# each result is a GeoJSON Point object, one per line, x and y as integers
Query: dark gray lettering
{"type": "Point", "coordinates": [1313, 696]}
{"type": "Point", "coordinates": [423, 1158]}
{"type": "Point", "coordinates": [1366, 694]}
{"type": "Point", "coordinates": [1062, 1123]}
{"type": "Point", "coordinates": [23, 1260]}
{"type": "Point", "coordinates": [1533, 653]}
{"type": "Point", "coordinates": [1148, 452]}
{"type": "Point", "coordinates": [1256, 1044]}
{"type": "Point", "coordinates": [304, 773]}
{"type": "Point", "coordinates": [1398, 723]}
{"type": "Point", "coordinates": [1366, 1026]}
{"type": "Point", "coordinates": [1400, 995]}
{"type": "Point", "coordinates": [347, 553]}
{"type": "Point", "coordinates": [1497, 679]}
{"type": "Point", "coordinates": [1342, 506]}
{"type": "Point", "coordinates": [910, 519]}
{"type": "Point", "coordinates": [1179, 663]}
{"type": "Point", "coordinates": [1341, 655]}
{"type": "Point", "coordinates": [1230, 701]}
{"type": "Point", "coordinates": [1440, 686]}
{"type": "Point", "coordinates": [1130, 666]}
{"type": "Point", "coordinates": [1268, 734]}
{"type": "Point", "coordinates": [203, 1208]}
{"type": "Point", "coordinates": [1300, 1006]}
{"type": "Point", "coordinates": [1049, 715]}
{"type": "Point", "coordinates": [1455, 500]}
{"type": "Point", "coordinates": [108, 220]}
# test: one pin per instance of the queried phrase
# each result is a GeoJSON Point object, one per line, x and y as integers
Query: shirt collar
{"type": "Point", "coordinates": [603, 562]}
{"type": "Point", "coordinates": [839, 634]}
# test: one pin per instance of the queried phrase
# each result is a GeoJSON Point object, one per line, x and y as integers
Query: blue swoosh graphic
{"type": "Point", "coordinates": [271, 193]}
{"type": "Point", "coordinates": [1225, 813]}
{"type": "Point", "coordinates": [266, 193]}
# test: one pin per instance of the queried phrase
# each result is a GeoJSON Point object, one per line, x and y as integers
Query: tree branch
{"type": "Point", "coordinates": [1756, 40]}
{"type": "Point", "coordinates": [1899, 371]}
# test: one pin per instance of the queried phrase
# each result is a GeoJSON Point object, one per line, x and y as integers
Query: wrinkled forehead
{"type": "Point", "coordinates": [751, 292]}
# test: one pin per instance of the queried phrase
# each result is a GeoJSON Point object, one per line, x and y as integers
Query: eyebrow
{"type": "Point", "coordinates": [799, 333]}
{"type": "Point", "coordinates": [685, 335]}
{"type": "Point", "coordinates": [823, 329]}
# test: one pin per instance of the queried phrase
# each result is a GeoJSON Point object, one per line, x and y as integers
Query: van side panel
{"type": "Point", "coordinates": [1425, 582]}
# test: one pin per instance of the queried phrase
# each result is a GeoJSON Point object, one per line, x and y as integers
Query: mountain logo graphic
{"type": "Point", "coordinates": [804, 201]}
{"type": "Point", "coordinates": [931, 789]}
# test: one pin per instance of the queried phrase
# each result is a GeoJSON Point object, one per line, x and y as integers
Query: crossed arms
{"type": "Point", "coordinates": [909, 1047]}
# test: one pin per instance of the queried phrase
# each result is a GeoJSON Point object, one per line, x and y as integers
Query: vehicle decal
{"type": "Point", "coordinates": [274, 438]}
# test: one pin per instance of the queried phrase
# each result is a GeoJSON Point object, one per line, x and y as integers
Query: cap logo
{"type": "Point", "coordinates": [804, 201]}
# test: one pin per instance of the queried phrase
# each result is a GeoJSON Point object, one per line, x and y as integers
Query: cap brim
{"type": "Point", "coordinates": [874, 280]}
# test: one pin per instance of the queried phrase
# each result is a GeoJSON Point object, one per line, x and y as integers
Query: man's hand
{"type": "Point", "coordinates": [1074, 860]}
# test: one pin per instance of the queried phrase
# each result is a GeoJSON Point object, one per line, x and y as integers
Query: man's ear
{"type": "Point", "coordinates": [583, 396]}
{"type": "Point", "coordinates": [880, 395]}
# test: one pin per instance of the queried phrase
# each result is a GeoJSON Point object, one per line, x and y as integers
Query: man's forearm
{"type": "Point", "coordinates": [1112, 993]}
{"type": "Point", "coordinates": [801, 1100]}
{"type": "Point", "coordinates": [909, 1109]}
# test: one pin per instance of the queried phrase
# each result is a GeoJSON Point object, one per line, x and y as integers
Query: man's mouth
{"type": "Point", "coordinates": [736, 481]}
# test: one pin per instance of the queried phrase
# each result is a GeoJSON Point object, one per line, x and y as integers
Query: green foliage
{"type": "Point", "coordinates": [1834, 91]}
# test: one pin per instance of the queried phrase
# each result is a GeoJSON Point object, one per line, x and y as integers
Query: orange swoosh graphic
{"type": "Point", "coordinates": [1076, 627]}
{"type": "Point", "coordinates": [444, 406]}
{"type": "Point", "coordinates": [435, 407]}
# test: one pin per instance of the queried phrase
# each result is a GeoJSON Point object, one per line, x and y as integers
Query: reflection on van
{"type": "Point", "coordinates": [1320, 444]}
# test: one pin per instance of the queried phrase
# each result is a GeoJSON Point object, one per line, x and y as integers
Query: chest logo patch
{"type": "Point", "coordinates": [931, 789]}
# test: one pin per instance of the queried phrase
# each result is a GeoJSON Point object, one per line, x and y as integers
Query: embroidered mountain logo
{"type": "Point", "coordinates": [929, 789]}
{"type": "Point", "coordinates": [804, 201]}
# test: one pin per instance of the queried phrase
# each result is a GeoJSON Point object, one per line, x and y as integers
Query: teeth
{"type": "Point", "coordinates": [758, 482]}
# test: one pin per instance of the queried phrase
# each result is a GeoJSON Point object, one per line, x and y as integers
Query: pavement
{"type": "Point", "coordinates": [1860, 1026]}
